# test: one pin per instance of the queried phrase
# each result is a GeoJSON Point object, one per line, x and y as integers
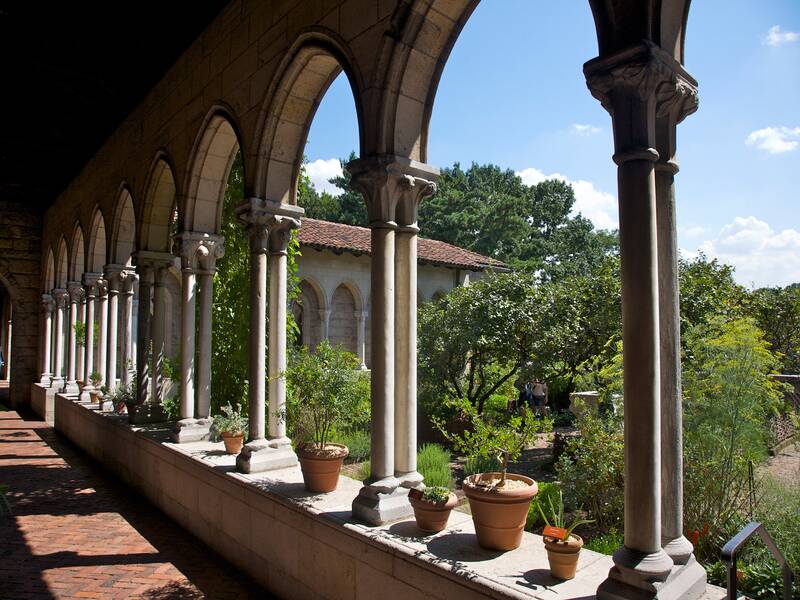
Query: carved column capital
{"type": "Point", "coordinates": [392, 186]}
{"type": "Point", "coordinates": [48, 304]}
{"type": "Point", "coordinates": [198, 251]}
{"type": "Point", "coordinates": [269, 224]}
{"type": "Point", "coordinates": [149, 263]}
{"type": "Point", "coordinates": [60, 296]}
{"type": "Point", "coordinates": [127, 279]}
{"type": "Point", "coordinates": [75, 291]}
{"type": "Point", "coordinates": [113, 275]}
{"type": "Point", "coordinates": [90, 283]}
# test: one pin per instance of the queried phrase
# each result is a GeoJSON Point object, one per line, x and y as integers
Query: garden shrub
{"type": "Point", "coordinates": [364, 471]}
{"type": "Point", "coordinates": [481, 464]}
{"type": "Point", "coordinates": [357, 441]}
{"type": "Point", "coordinates": [606, 543]}
{"type": "Point", "coordinates": [548, 492]}
{"type": "Point", "coordinates": [591, 470]}
{"type": "Point", "coordinates": [433, 462]}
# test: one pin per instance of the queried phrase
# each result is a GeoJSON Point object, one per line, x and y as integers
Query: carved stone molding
{"type": "Point", "coordinates": [199, 251]}
{"type": "Point", "coordinates": [76, 292]}
{"type": "Point", "coordinates": [48, 304]}
{"type": "Point", "coordinates": [269, 224]}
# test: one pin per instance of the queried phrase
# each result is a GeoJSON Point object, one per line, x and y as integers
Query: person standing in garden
{"type": "Point", "coordinates": [538, 396]}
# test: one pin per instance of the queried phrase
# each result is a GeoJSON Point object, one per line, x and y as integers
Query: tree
{"type": "Point", "coordinates": [707, 290]}
{"type": "Point", "coordinates": [777, 312]}
{"type": "Point", "coordinates": [348, 207]}
{"type": "Point", "coordinates": [477, 338]}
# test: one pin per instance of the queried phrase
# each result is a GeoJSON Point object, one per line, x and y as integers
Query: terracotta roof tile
{"type": "Point", "coordinates": [325, 235]}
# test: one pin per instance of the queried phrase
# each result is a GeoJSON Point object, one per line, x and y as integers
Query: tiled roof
{"type": "Point", "coordinates": [325, 235]}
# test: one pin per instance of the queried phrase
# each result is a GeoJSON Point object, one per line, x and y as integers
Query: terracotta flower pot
{"type": "Point", "coordinates": [233, 442]}
{"type": "Point", "coordinates": [321, 467]}
{"type": "Point", "coordinates": [563, 555]}
{"type": "Point", "coordinates": [499, 514]}
{"type": "Point", "coordinates": [97, 396]}
{"type": "Point", "coordinates": [430, 516]}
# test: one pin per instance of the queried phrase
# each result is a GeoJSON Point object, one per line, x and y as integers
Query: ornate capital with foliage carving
{"type": "Point", "coordinates": [198, 251]}
{"type": "Point", "coordinates": [269, 224]}
{"type": "Point", "coordinates": [393, 187]}
{"type": "Point", "coordinates": [60, 296]}
{"type": "Point", "coordinates": [48, 304]}
{"type": "Point", "coordinates": [75, 291]}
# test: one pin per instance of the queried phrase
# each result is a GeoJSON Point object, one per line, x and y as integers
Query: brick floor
{"type": "Point", "coordinates": [76, 532]}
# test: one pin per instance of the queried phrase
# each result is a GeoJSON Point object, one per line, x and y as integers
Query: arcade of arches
{"type": "Point", "coordinates": [137, 233]}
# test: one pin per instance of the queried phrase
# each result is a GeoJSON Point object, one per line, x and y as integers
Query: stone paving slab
{"type": "Point", "coordinates": [77, 533]}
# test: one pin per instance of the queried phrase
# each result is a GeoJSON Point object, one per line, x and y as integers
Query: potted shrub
{"type": "Point", "coordinates": [563, 547]}
{"type": "Point", "coordinates": [97, 393]}
{"type": "Point", "coordinates": [231, 425]}
{"type": "Point", "coordinates": [325, 387]}
{"type": "Point", "coordinates": [432, 507]}
{"type": "Point", "coordinates": [498, 500]}
{"type": "Point", "coordinates": [123, 396]}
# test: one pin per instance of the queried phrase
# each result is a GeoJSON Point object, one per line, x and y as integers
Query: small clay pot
{"type": "Point", "coordinates": [430, 516]}
{"type": "Point", "coordinates": [97, 396]}
{"type": "Point", "coordinates": [563, 555]}
{"type": "Point", "coordinates": [499, 514]}
{"type": "Point", "coordinates": [321, 468]}
{"type": "Point", "coordinates": [233, 442]}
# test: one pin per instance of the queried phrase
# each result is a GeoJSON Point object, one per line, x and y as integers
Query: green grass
{"type": "Point", "coordinates": [606, 543]}
{"type": "Point", "coordinates": [433, 462]}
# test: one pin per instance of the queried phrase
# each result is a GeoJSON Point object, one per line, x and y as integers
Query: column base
{"type": "Point", "coordinates": [191, 430]}
{"type": "Point", "coordinates": [86, 395]}
{"type": "Point", "coordinates": [259, 455]}
{"type": "Point", "coordinates": [72, 389]}
{"type": "Point", "coordinates": [382, 501]}
{"type": "Point", "coordinates": [45, 379]}
{"type": "Point", "coordinates": [142, 414]}
{"type": "Point", "coordinates": [412, 479]}
{"type": "Point", "coordinates": [57, 383]}
{"type": "Point", "coordinates": [684, 582]}
{"type": "Point", "coordinates": [679, 550]}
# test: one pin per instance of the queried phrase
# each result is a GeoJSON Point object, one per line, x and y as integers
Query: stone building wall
{"type": "Point", "coordinates": [20, 263]}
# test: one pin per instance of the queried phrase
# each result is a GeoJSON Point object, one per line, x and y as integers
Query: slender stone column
{"type": "Point", "coordinates": [280, 234]}
{"type": "Point", "coordinates": [60, 296]}
{"type": "Point", "coordinates": [75, 292]}
{"type": "Point", "coordinates": [113, 274]}
{"type": "Point", "coordinates": [159, 331]}
{"type": "Point", "coordinates": [102, 338]}
{"type": "Point", "coordinates": [386, 181]}
{"type": "Point", "coordinates": [269, 225]}
{"type": "Point", "coordinates": [361, 336]}
{"type": "Point", "coordinates": [80, 366]}
{"type": "Point", "coordinates": [143, 367]}
{"type": "Point", "coordinates": [90, 290]}
{"type": "Point", "coordinates": [188, 253]}
{"type": "Point", "coordinates": [48, 305]}
{"type": "Point", "coordinates": [630, 84]}
{"type": "Point", "coordinates": [128, 281]}
{"type": "Point", "coordinates": [675, 104]}
{"type": "Point", "coordinates": [325, 322]}
{"type": "Point", "coordinates": [213, 248]}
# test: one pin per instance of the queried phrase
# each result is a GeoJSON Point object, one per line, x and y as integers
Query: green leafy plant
{"type": "Point", "coordinates": [433, 462]}
{"type": "Point", "coordinates": [557, 518]}
{"type": "Point", "coordinates": [230, 421]}
{"type": "Point", "coordinates": [547, 491]}
{"type": "Point", "coordinates": [358, 443]}
{"type": "Point", "coordinates": [325, 389]}
{"type": "Point", "coordinates": [486, 436]}
{"type": "Point", "coordinates": [95, 377]}
{"type": "Point", "coordinates": [172, 407]}
{"type": "Point", "coordinates": [606, 543]}
{"type": "Point", "coordinates": [80, 334]}
{"type": "Point", "coordinates": [436, 494]}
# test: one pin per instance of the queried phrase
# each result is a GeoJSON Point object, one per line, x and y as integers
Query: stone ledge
{"type": "Point", "coordinates": [299, 544]}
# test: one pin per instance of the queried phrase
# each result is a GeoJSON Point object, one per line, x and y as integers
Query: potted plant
{"type": "Point", "coordinates": [325, 388]}
{"type": "Point", "coordinates": [432, 507]}
{"type": "Point", "coordinates": [563, 547]}
{"type": "Point", "coordinates": [498, 501]}
{"type": "Point", "coordinates": [97, 393]}
{"type": "Point", "coordinates": [122, 396]}
{"type": "Point", "coordinates": [231, 425]}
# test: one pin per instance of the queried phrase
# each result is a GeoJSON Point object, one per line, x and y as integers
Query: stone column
{"type": "Point", "coordinates": [48, 305]}
{"type": "Point", "coordinates": [361, 336]}
{"type": "Point", "coordinates": [8, 338]}
{"type": "Point", "coordinates": [60, 296]}
{"type": "Point", "coordinates": [198, 252]}
{"type": "Point", "coordinates": [113, 274]}
{"type": "Point", "coordinates": [675, 103]}
{"type": "Point", "coordinates": [90, 290]}
{"type": "Point", "coordinates": [102, 338]}
{"type": "Point", "coordinates": [325, 323]}
{"type": "Point", "coordinates": [143, 367]}
{"type": "Point", "coordinates": [405, 432]}
{"type": "Point", "coordinates": [75, 292]}
{"type": "Point", "coordinates": [128, 281]}
{"type": "Point", "coordinates": [629, 85]}
{"type": "Point", "coordinates": [159, 332]}
{"type": "Point", "coordinates": [386, 181]}
{"type": "Point", "coordinates": [269, 226]}
{"type": "Point", "coordinates": [81, 364]}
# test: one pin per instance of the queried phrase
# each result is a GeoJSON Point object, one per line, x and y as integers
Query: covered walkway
{"type": "Point", "coordinates": [76, 533]}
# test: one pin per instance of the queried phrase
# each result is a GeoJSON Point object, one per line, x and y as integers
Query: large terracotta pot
{"type": "Point", "coordinates": [233, 442]}
{"type": "Point", "coordinates": [432, 517]}
{"type": "Point", "coordinates": [321, 469]}
{"type": "Point", "coordinates": [499, 514]}
{"type": "Point", "coordinates": [563, 555]}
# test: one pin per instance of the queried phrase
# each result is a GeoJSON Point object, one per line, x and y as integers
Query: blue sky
{"type": "Point", "coordinates": [513, 93]}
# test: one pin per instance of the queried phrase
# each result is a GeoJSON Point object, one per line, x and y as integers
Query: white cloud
{"type": "Point", "coordinates": [775, 140]}
{"type": "Point", "coordinates": [776, 37]}
{"type": "Point", "coordinates": [597, 206]}
{"type": "Point", "coordinates": [584, 130]}
{"type": "Point", "coordinates": [761, 255]}
{"type": "Point", "coordinates": [693, 231]}
{"type": "Point", "coordinates": [321, 170]}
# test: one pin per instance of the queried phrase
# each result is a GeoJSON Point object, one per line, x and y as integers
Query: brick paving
{"type": "Point", "coordinates": [76, 532]}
